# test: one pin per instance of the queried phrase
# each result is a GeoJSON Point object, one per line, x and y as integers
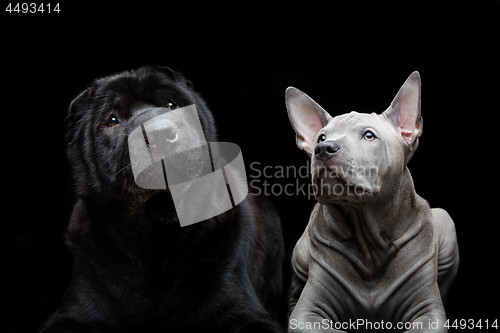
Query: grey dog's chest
{"type": "Point", "coordinates": [360, 279]}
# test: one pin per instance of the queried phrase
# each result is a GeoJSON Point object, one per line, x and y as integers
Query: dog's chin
{"type": "Point", "coordinates": [143, 194]}
{"type": "Point", "coordinates": [339, 191]}
{"type": "Point", "coordinates": [134, 193]}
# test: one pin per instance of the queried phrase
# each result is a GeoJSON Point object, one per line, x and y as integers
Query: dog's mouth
{"type": "Point", "coordinates": [330, 186]}
{"type": "Point", "coordinates": [173, 170]}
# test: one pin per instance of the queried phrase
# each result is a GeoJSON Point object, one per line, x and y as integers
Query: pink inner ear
{"type": "Point", "coordinates": [404, 112]}
{"type": "Point", "coordinates": [304, 146]}
{"type": "Point", "coordinates": [307, 117]}
{"type": "Point", "coordinates": [407, 135]}
{"type": "Point", "coordinates": [308, 133]}
{"type": "Point", "coordinates": [407, 122]}
{"type": "Point", "coordinates": [306, 120]}
{"type": "Point", "coordinates": [409, 112]}
{"type": "Point", "coordinates": [312, 130]}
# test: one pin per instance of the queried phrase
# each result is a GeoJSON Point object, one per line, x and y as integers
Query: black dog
{"type": "Point", "coordinates": [135, 268]}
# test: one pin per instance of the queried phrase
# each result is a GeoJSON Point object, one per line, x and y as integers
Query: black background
{"type": "Point", "coordinates": [241, 59]}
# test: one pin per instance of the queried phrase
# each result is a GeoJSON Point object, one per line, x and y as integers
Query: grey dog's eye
{"type": "Point", "coordinates": [112, 121]}
{"type": "Point", "coordinates": [321, 138]}
{"type": "Point", "coordinates": [369, 136]}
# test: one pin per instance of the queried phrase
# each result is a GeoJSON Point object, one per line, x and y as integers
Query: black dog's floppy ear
{"type": "Point", "coordinates": [307, 118]}
{"type": "Point", "coordinates": [175, 76]}
{"type": "Point", "coordinates": [404, 111]}
{"type": "Point", "coordinates": [77, 108]}
{"type": "Point", "coordinates": [168, 71]}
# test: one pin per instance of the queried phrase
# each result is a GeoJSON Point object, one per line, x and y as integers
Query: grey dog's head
{"type": "Point", "coordinates": [101, 118]}
{"type": "Point", "coordinates": [356, 156]}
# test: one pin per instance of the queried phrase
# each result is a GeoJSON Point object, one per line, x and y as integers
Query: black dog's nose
{"type": "Point", "coordinates": [324, 150]}
{"type": "Point", "coordinates": [170, 133]}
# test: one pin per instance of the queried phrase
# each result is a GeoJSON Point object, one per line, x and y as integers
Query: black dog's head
{"type": "Point", "coordinates": [101, 118]}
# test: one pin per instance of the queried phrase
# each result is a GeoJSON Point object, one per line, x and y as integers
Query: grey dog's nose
{"type": "Point", "coordinates": [324, 150]}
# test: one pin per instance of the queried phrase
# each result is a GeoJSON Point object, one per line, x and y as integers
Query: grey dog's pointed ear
{"type": "Point", "coordinates": [404, 111]}
{"type": "Point", "coordinates": [307, 117]}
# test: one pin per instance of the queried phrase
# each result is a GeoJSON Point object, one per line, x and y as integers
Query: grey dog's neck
{"type": "Point", "coordinates": [380, 221]}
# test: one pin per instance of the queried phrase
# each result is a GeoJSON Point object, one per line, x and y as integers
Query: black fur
{"type": "Point", "coordinates": [135, 268]}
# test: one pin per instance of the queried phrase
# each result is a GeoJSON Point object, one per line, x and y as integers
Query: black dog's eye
{"type": "Point", "coordinates": [369, 136]}
{"type": "Point", "coordinates": [321, 138]}
{"type": "Point", "coordinates": [112, 121]}
{"type": "Point", "coordinates": [172, 105]}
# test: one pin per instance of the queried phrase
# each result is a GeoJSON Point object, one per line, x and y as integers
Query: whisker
{"type": "Point", "coordinates": [123, 187]}
{"type": "Point", "coordinates": [121, 170]}
{"type": "Point", "coordinates": [130, 188]}
{"type": "Point", "coordinates": [383, 192]}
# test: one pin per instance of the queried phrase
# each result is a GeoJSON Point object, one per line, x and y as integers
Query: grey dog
{"type": "Point", "coordinates": [374, 253]}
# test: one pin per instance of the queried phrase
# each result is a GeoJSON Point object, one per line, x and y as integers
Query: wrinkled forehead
{"type": "Point", "coordinates": [355, 120]}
